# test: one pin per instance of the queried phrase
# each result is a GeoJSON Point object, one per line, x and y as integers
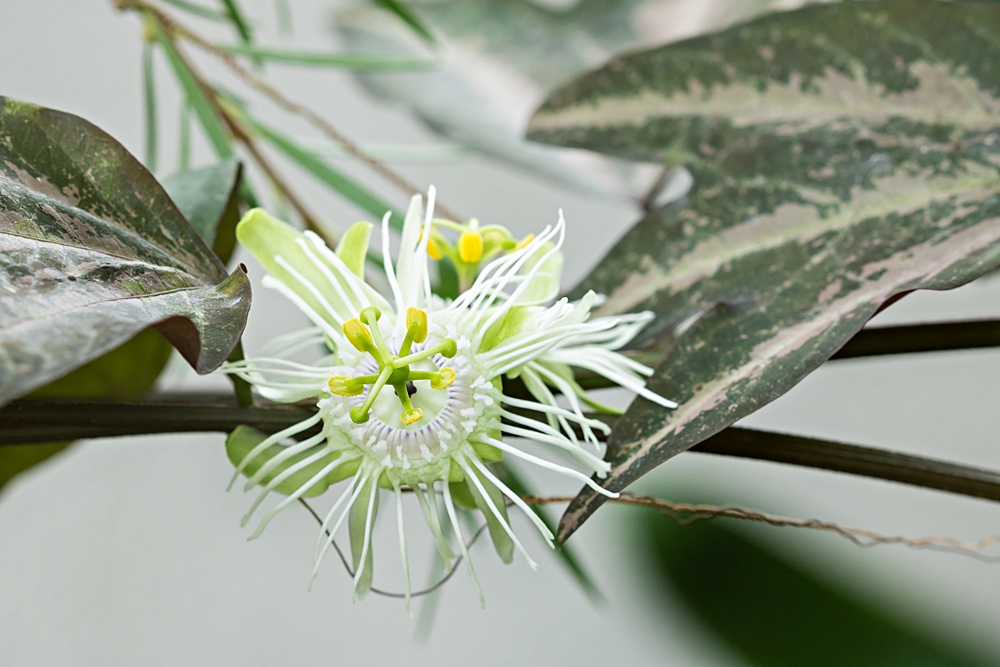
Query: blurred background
{"type": "Point", "coordinates": [129, 551]}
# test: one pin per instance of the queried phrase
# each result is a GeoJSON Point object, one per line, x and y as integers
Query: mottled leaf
{"type": "Point", "coordinates": [842, 155]}
{"type": "Point", "coordinates": [209, 199]}
{"type": "Point", "coordinates": [774, 612]}
{"type": "Point", "coordinates": [92, 251]}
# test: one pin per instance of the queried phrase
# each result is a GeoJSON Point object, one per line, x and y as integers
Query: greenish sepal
{"type": "Point", "coordinates": [501, 540]}
{"type": "Point", "coordinates": [356, 521]}
{"type": "Point", "coordinates": [462, 496]}
{"type": "Point", "coordinates": [353, 247]}
{"type": "Point", "coordinates": [566, 373]}
{"type": "Point", "coordinates": [507, 326]}
{"type": "Point", "coordinates": [244, 438]}
{"type": "Point", "coordinates": [487, 453]}
{"type": "Point", "coordinates": [343, 471]}
{"type": "Point", "coordinates": [384, 482]}
{"type": "Point", "coordinates": [267, 238]}
{"type": "Point", "coordinates": [455, 473]}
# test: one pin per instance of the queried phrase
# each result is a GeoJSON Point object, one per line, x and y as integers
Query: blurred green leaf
{"type": "Point", "coordinates": [209, 198]}
{"type": "Point", "coordinates": [842, 154]}
{"type": "Point", "coordinates": [773, 612]}
{"type": "Point", "coordinates": [405, 13]}
{"type": "Point", "coordinates": [366, 62]}
{"type": "Point", "coordinates": [567, 555]}
{"type": "Point", "coordinates": [195, 95]}
{"type": "Point", "coordinates": [335, 179]}
{"type": "Point", "coordinates": [284, 17]}
{"type": "Point", "coordinates": [149, 98]}
{"type": "Point", "coordinates": [125, 373]}
{"type": "Point", "coordinates": [92, 251]}
{"type": "Point", "coordinates": [234, 13]}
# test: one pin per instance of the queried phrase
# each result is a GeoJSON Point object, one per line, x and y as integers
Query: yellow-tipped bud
{"type": "Point", "coordinates": [411, 416]}
{"type": "Point", "coordinates": [340, 385]}
{"type": "Point", "coordinates": [470, 246]}
{"type": "Point", "coordinates": [444, 379]}
{"type": "Point", "coordinates": [358, 335]}
{"type": "Point", "coordinates": [525, 241]}
{"type": "Point", "coordinates": [433, 251]}
{"type": "Point", "coordinates": [416, 322]}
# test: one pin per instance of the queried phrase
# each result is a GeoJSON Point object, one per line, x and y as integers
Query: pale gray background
{"type": "Point", "coordinates": [129, 551]}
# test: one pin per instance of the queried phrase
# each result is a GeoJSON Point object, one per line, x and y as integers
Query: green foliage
{"type": "Point", "coordinates": [209, 198]}
{"type": "Point", "coordinates": [241, 441]}
{"type": "Point", "coordinates": [362, 62]}
{"type": "Point", "coordinates": [338, 181]}
{"type": "Point", "coordinates": [94, 252]}
{"type": "Point", "coordinates": [407, 15]}
{"type": "Point", "coordinates": [124, 374]}
{"type": "Point", "coordinates": [772, 612]}
{"type": "Point", "coordinates": [842, 155]}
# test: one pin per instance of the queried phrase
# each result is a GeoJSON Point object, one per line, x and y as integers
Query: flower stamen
{"type": "Point", "coordinates": [394, 370]}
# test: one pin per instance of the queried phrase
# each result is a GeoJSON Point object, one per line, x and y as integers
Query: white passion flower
{"type": "Point", "coordinates": [410, 395]}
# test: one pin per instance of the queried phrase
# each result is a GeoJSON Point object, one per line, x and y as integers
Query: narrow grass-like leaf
{"type": "Point", "coordinates": [363, 62]}
{"type": "Point", "coordinates": [196, 96]}
{"type": "Point", "coordinates": [235, 14]}
{"type": "Point", "coordinates": [198, 10]}
{"type": "Point", "coordinates": [335, 179]}
{"type": "Point", "coordinates": [284, 16]}
{"type": "Point", "coordinates": [409, 16]}
{"type": "Point", "coordinates": [149, 98]}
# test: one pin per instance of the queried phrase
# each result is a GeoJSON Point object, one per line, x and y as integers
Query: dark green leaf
{"type": "Point", "coordinates": [842, 154]}
{"type": "Point", "coordinates": [774, 613]}
{"type": "Point", "coordinates": [209, 199]}
{"type": "Point", "coordinates": [366, 62]}
{"type": "Point", "coordinates": [92, 251]}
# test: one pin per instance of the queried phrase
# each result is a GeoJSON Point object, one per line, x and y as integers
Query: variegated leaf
{"type": "Point", "coordinates": [842, 155]}
{"type": "Point", "coordinates": [92, 251]}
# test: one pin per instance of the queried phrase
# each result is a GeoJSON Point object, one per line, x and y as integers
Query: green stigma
{"type": "Point", "coordinates": [394, 370]}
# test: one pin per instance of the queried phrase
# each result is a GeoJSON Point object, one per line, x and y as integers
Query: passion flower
{"type": "Point", "coordinates": [410, 394]}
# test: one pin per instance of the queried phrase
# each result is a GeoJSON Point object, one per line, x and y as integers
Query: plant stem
{"type": "Point", "coordinates": [30, 421]}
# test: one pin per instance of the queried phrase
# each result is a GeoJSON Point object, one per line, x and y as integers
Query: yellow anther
{"type": "Point", "coordinates": [416, 321]}
{"type": "Point", "coordinates": [412, 416]}
{"type": "Point", "coordinates": [444, 379]}
{"type": "Point", "coordinates": [339, 385]}
{"type": "Point", "coordinates": [470, 246]}
{"type": "Point", "coordinates": [358, 335]}
{"type": "Point", "coordinates": [524, 242]}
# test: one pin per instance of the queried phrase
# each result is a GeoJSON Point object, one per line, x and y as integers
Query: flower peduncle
{"type": "Point", "coordinates": [365, 335]}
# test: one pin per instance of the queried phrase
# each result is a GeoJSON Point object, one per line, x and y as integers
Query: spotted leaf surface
{"type": "Point", "coordinates": [92, 250]}
{"type": "Point", "coordinates": [842, 155]}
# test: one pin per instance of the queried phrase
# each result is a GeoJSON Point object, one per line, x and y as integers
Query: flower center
{"type": "Point", "coordinates": [393, 369]}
